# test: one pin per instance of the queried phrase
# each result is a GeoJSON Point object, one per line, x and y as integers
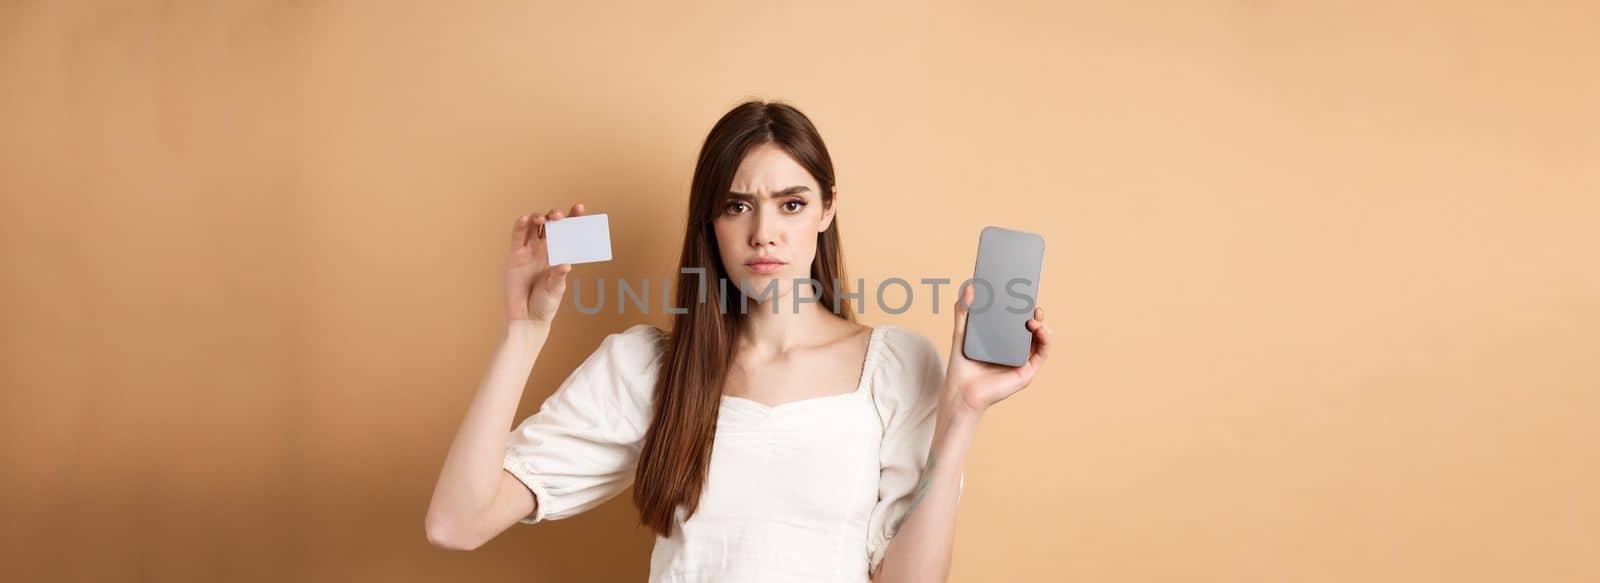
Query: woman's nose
{"type": "Point", "coordinates": [765, 232]}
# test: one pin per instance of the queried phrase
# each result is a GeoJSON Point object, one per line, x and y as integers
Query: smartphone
{"type": "Point", "coordinates": [1005, 284]}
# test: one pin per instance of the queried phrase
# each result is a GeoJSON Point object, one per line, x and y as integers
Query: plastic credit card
{"type": "Point", "coordinates": [581, 239]}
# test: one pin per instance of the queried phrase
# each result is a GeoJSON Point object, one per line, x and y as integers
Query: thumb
{"type": "Point", "coordinates": [558, 277]}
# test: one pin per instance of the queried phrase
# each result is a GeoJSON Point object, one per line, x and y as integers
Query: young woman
{"type": "Point", "coordinates": [764, 443]}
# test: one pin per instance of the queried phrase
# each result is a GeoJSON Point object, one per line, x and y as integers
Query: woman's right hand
{"type": "Point", "coordinates": [534, 288]}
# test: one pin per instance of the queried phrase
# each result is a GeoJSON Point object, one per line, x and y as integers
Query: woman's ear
{"type": "Point", "coordinates": [827, 214]}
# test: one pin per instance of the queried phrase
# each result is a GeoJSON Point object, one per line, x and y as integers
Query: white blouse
{"type": "Point", "coordinates": [810, 490]}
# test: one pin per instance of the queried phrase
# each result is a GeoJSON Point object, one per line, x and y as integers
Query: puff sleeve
{"type": "Point", "coordinates": [906, 393]}
{"type": "Point", "coordinates": [580, 449]}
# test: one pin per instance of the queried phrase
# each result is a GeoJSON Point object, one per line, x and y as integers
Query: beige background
{"type": "Point", "coordinates": [1326, 279]}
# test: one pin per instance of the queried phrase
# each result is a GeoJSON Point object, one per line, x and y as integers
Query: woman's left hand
{"type": "Point", "coordinates": [978, 385]}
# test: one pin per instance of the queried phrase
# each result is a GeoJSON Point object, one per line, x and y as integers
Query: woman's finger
{"type": "Point", "coordinates": [537, 227]}
{"type": "Point", "coordinates": [1041, 346]}
{"type": "Point", "coordinates": [960, 331]}
{"type": "Point", "coordinates": [577, 210]}
{"type": "Point", "coordinates": [551, 215]}
{"type": "Point", "coordinates": [519, 232]}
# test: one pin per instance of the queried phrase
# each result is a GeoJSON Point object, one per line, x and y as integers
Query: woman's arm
{"type": "Point", "coordinates": [920, 551]}
{"type": "Point", "coordinates": [474, 499]}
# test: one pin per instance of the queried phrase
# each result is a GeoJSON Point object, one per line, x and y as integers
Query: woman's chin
{"type": "Point", "coordinates": [763, 290]}
{"type": "Point", "coordinates": [758, 289]}
{"type": "Point", "coordinates": [757, 283]}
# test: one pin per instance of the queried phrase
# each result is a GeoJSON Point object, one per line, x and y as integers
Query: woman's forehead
{"type": "Point", "coordinates": [767, 169]}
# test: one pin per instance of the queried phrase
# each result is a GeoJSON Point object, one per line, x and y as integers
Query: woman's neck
{"type": "Point", "coordinates": [769, 332]}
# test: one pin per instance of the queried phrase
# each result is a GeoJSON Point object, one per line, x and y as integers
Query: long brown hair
{"type": "Point", "coordinates": [676, 455]}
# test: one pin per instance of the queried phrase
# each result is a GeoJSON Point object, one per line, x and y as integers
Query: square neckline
{"type": "Point", "coordinates": [868, 364]}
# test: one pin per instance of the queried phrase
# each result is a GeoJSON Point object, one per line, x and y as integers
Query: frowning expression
{"type": "Point", "coordinates": [767, 228]}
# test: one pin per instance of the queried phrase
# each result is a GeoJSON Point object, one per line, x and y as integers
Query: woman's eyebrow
{"type": "Point", "coordinates": [785, 192]}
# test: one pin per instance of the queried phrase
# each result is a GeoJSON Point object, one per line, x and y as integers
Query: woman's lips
{"type": "Point", "coordinates": [764, 268]}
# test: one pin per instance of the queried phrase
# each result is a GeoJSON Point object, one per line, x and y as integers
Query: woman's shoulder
{"type": "Point", "coordinates": [632, 354]}
{"type": "Point", "coordinates": [905, 344]}
{"type": "Point", "coordinates": [639, 343]}
{"type": "Point", "coordinates": [609, 394]}
{"type": "Point", "coordinates": [905, 359]}
{"type": "Point", "coordinates": [621, 371]}
{"type": "Point", "coordinates": [642, 333]}
{"type": "Point", "coordinates": [907, 374]}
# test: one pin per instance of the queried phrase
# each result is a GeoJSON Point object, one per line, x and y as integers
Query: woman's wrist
{"type": "Point", "coordinates": [528, 327]}
{"type": "Point", "coordinates": [954, 407]}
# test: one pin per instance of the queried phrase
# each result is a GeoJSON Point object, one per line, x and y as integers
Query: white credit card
{"type": "Point", "coordinates": [581, 239]}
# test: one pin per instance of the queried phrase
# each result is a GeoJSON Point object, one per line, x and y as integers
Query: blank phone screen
{"type": "Point", "coordinates": [1005, 285]}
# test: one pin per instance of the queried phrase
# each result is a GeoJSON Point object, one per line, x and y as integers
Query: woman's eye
{"type": "Point", "coordinates": [798, 205]}
{"type": "Point", "coordinates": [732, 205]}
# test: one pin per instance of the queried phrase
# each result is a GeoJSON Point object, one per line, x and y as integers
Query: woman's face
{"type": "Point", "coordinates": [773, 213]}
